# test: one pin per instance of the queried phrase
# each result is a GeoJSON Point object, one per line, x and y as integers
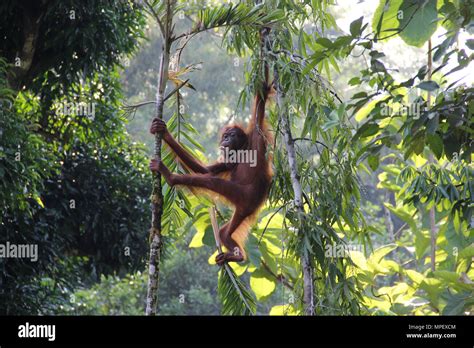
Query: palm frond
{"type": "Point", "coordinates": [235, 297]}
{"type": "Point", "coordinates": [239, 14]}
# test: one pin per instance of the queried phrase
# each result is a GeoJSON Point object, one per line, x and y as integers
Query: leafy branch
{"type": "Point", "coordinates": [235, 297]}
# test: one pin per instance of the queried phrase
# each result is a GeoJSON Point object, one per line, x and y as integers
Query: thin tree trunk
{"type": "Point", "coordinates": [308, 290]}
{"type": "Point", "coordinates": [433, 228]}
{"type": "Point", "coordinates": [156, 242]}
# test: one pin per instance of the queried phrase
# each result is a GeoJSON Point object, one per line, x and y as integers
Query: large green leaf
{"type": "Point", "coordinates": [433, 288]}
{"type": "Point", "coordinates": [385, 21]}
{"type": "Point", "coordinates": [456, 303]}
{"type": "Point", "coordinates": [285, 309]}
{"type": "Point", "coordinates": [418, 22]}
{"type": "Point", "coordinates": [403, 213]}
{"type": "Point", "coordinates": [262, 284]}
{"type": "Point", "coordinates": [378, 254]}
{"type": "Point", "coordinates": [467, 252]}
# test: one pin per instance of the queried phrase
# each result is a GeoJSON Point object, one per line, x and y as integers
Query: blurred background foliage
{"type": "Point", "coordinates": [384, 191]}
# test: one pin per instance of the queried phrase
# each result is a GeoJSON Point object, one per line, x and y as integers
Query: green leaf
{"type": "Point", "coordinates": [377, 65]}
{"type": "Point", "coordinates": [359, 95]}
{"type": "Point", "coordinates": [419, 21]}
{"type": "Point", "coordinates": [450, 277]}
{"type": "Point", "coordinates": [422, 72]}
{"type": "Point", "coordinates": [467, 252]}
{"type": "Point", "coordinates": [422, 241]}
{"type": "Point", "coordinates": [262, 284]}
{"type": "Point", "coordinates": [196, 242]}
{"type": "Point", "coordinates": [354, 81]}
{"type": "Point", "coordinates": [366, 44]}
{"type": "Point", "coordinates": [367, 130]}
{"type": "Point", "coordinates": [428, 86]}
{"type": "Point", "coordinates": [415, 276]}
{"type": "Point", "coordinates": [343, 41]}
{"type": "Point", "coordinates": [376, 54]}
{"type": "Point", "coordinates": [403, 213]}
{"type": "Point", "coordinates": [38, 200]}
{"type": "Point", "coordinates": [433, 288]}
{"type": "Point", "coordinates": [385, 20]}
{"type": "Point", "coordinates": [380, 253]}
{"type": "Point", "coordinates": [208, 238]}
{"type": "Point", "coordinates": [356, 26]}
{"type": "Point", "coordinates": [455, 303]}
{"type": "Point", "coordinates": [373, 162]}
{"type": "Point", "coordinates": [367, 109]}
{"type": "Point", "coordinates": [436, 145]}
{"type": "Point", "coordinates": [252, 250]}
{"type": "Point", "coordinates": [286, 309]}
{"type": "Point", "coordinates": [432, 124]}
{"type": "Point", "coordinates": [234, 295]}
{"type": "Point", "coordinates": [325, 42]}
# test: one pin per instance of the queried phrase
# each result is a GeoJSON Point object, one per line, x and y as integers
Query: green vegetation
{"type": "Point", "coordinates": [383, 155]}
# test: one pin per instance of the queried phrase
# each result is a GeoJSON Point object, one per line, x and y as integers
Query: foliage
{"type": "Point", "coordinates": [187, 287]}
{"type": "Point", "coordinates": [74, 182]}
{"type": "Point", "coordinates": [415, 293]}
{"type": "Point", "coordinates": [323, 215]}
{"type": "Point", "coordinates": [235, 298]}
{"type": "Point", "coordinates": [340, 150]}
{"type": "Point", "coordinates": [428, 162]}
{"type": "Point", "coordinates": [75, 38]}
{"type": "Point", "coordinates": [381, 182]}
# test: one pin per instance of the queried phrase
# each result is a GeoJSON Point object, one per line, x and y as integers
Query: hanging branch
{"type": "Point", "coordinates": [156, 242]}
{"type": "Point", "coordinates": [308, 291]}
{"type": "Point", "coordinates": [131, 109]}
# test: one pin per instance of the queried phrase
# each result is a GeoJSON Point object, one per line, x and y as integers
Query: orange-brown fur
{"type": "Point", "coordinates": [240, 235]}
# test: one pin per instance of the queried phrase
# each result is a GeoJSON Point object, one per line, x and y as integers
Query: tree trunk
{"type": "Point", "coordinates": [157, 196]}
{"type": "Point", "coordinates": [432, 214]}
{"type": "Point", "coordinates": [32, 15]}
{"type": "Point", "coordinates": [308, 290]}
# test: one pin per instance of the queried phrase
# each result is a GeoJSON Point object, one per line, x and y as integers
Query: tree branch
{"type": "Point", "coordinates": [308, 290]}
{"type": "Point", "coordinates": [280, 277]}
{"type": "Point", "coordinates": [157, 18]}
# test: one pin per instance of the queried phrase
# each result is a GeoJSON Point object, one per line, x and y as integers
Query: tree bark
{"type": "Point", "coordinates": [308, 289]}
{"type": "Point", "coordinates": [156, 242]}
{"type": "Point", "coordinates": [32, 15]}
{"type": "Point", "coordinates": [307, 268]}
